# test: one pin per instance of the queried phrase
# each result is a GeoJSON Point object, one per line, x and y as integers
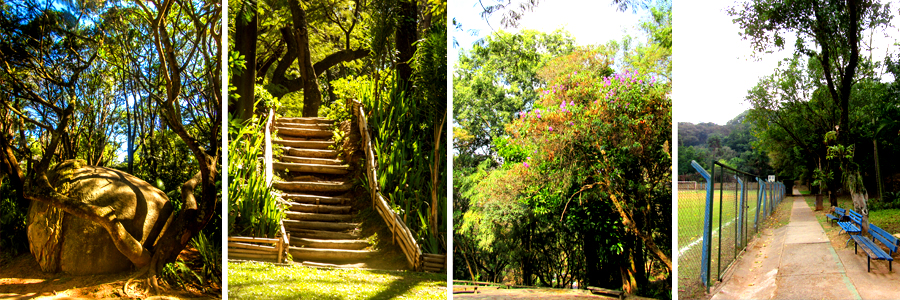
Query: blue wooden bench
{"type": "Point", "coordinates": [840, 213]}
{"type": "Point", "coordinates": [850, 226]}
{"type": "Point", "coordinates": [873, 251]}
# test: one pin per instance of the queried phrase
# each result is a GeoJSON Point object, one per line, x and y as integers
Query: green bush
{"type": "Point", "coordinates": [253, 209]}
{"type": "Point", "coordinates": [13, 239]}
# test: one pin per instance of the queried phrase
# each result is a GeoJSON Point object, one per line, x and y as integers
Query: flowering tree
{"type": "Point", "coordinates": [591, 160]}
{"type": "Point", "coordinates": [617, 144]}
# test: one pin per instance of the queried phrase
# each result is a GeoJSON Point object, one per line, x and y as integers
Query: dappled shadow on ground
{"type": "Point", "coordinates": [400, 286]}
{"type": "Point", "coordinates": [21, 278]}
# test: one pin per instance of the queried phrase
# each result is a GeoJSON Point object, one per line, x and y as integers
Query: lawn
{"type": "Point", "coordinates": [887, 219]}
{"type": "Point", "coordinates": [252, 280]}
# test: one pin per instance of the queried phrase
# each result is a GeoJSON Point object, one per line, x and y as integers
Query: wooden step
{"type": "Point", "coordinates": [322, 234]}
{"type": "Point", "coordinates": [302, 216]}
{"type": "Point", "coordinates": [304, 132]}
{"type": "Point", "coordinates": [322, 126]}
{"type": "Point", "coordinates": [330, 244]}
{"type": "Point", "coordinates": [305, 120]}
{"type": "Point", "coordinates": [308, 186]}
{"type": "Point", "coordinates": [314, 254]}
{"type": "Point", "coordinates": [311, 168]}
{"type": "Point", "coordinates": [315, 153]}
{"type": "Point", "coordinates": [310, 160]}
{"type": "Point", "coordinates": [319, 225]}
{"type": "Point", "coordinates": [312, 208]}
{"type": "Point", "coordinates": [304, 144]}
{"type": "Point", "coordinates": [315, 199]}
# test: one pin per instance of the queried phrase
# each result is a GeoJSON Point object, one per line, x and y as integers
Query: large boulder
{"type": "Point", "coordinates": [63, 242]}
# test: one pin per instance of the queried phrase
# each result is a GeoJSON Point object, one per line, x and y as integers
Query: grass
{"type": "Point", "coordinates": [691, 213]}
{"type": "Point", "coordinates": [252, 280]}
{"type": "Point", "coordinates": [887, 219]}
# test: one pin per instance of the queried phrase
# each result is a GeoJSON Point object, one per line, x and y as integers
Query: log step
{"type": "Point", "coordinates": [319, 225]}
{"type": "Point", "coordinates": [304, 132]}
{"type": "Point", "coordinates": [309, 160]}
{"type": "Point", "coordinates": [323, 126]}
{"type": "Point", "coordinates": [302, 216]}
{"type": "Point", "coordinates": [322, 234]}
{"type": "Point", "coordinates": [311, 168]}
{"type": "Point", "coordinates": [315, 153]}
{"type": "Point", "coordinates": [304, 254]}
{"type": "Point", "coordinates": [308, 186]}
{"type": "Point", "coordinates": [305, 120]}
{"type": "Point", "coordinates": [312, 208]}
{"type": "Point", "coordinates": [330, 244]}
{"type": "Point", "coordinates": [315, 199]}
{"type": "Point", "coordinates": [306, 144]}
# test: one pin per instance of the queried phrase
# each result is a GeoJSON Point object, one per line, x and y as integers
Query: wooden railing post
{"type": "Point", "coordinates": [270, 120]}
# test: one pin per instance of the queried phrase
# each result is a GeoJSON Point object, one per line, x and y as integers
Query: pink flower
{"type": "Point", "coordinates": [551, 128]}
{"type": "Point", "coordinates": [526, 163]}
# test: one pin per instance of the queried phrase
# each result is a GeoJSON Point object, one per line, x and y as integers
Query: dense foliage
{"type": "Point", "coordinates": [733, 144]}
{"type": "Point", "coordinates": [823, 79]}
{"type": "Point", "coordinates": [390, 55]}
{"type": "Point", "coordinates": [574, 185]}
{"type": "Point", "coordinates": [101, 82]}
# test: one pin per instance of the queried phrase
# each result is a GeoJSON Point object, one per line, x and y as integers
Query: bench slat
{"type": "Point", "coordinates": [884, 237]}
{"type": "Point", "coordinates": [849, 227]}
{"type": "Point", "coordinates": [871, 249]}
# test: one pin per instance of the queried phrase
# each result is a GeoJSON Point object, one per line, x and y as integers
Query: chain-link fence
{"type": "Point", "coordinates": [716, 219]}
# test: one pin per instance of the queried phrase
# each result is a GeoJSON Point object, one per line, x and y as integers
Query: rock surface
{"type": "Point", "coordinates": [63, 242]}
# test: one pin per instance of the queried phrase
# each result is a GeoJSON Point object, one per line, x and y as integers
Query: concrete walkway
{"type": "Point", "coordinates": [796, 261]}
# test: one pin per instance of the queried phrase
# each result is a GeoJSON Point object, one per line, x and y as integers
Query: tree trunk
{"type": "Point", "coordinates": [405, 36]}
{"type": "Point", "coordinates": [878, 178]}
{"type": "Point", "coordinates": [647, 239]}
{"type": "Point", "coordinates": [527, 263]}
{"type": "Point", "coordinates": [245, 37]}
{"type": "Point", "coordinates": [10, 166]}
{"type": "Point", "coordinates": [312, 97]}
{"type": "Point", "coordinates": [626, 266]}
{"type": "Point", "coordinates": [592, 259]}
{"type": "Point", "coordinates": [638, 265]}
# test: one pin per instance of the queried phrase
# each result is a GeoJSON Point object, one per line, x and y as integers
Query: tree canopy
{"type": "Point", "coordinates": [129, 85]}
{"type": "Point", "coordinates": [562, 167]}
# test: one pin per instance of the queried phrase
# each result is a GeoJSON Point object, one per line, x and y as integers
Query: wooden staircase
{"type": "Point", "coordinates": [314, 182]}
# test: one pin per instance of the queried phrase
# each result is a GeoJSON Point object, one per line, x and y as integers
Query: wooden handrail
{"type": "Point", "coordinates": [400, 231]}
{"type": "Point", "coordinates": [270, 120]}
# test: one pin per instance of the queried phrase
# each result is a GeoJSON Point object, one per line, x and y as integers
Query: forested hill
{"type": "Point", "coordinates": [690, 134]}
{"type": "Point", "coordinates": [731, 144]}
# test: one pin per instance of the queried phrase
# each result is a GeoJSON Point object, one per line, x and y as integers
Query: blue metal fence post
{"type": "Point", "coordinates": [783, 190]}
{"type": "Point", "coordinates": [758, 206]}
{"type": "Point", "coordinates": [707, 225]}
{"type": "Point", "coordinates": [778, 193]}
{"type": "Point", "coordinates": [765, 199]}
{"type": "Point", "coordinates": [740, 213]}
